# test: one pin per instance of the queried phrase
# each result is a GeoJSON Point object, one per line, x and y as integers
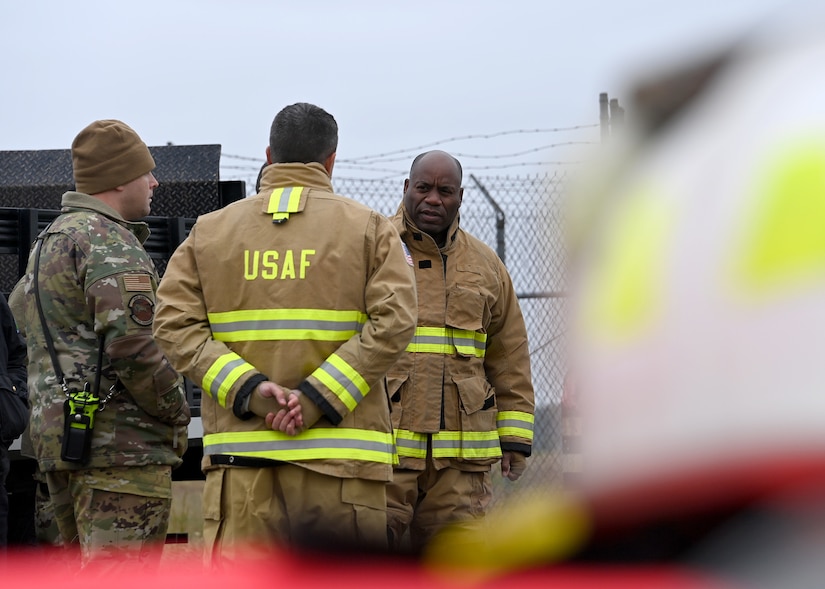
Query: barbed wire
{"type": "Point", "coordinates": [390, 174]}
{"type": "Point", "coordinates": [243, 157]}
{"type": "Point", "coordinates": [471, 156]}
{"type": "Point", "coordinates": [367, 158]}
{"type": "Point", "coordinates": [346, 166]}
{"type": "Point", "coordinates": [523, 164]}
{"type": "Point", "coordinates": [367, 163]}
{"type": "Point", "coordinates": [379, 157]}
{"type": "Point", "coordinates": [228, 167]}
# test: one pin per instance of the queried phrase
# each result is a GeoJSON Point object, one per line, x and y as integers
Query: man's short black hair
{"type": "Point", "coordinates": [302, 133]}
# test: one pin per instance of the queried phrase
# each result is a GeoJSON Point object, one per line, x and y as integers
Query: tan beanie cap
{"type": "Point", "coordinates": [107, 154]}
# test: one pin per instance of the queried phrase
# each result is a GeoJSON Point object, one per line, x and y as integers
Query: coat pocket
{"type": "Point", "coordinates": [211, 504]}
{"type": "Point", "coordinates": [467, 314]}
{"type": "Point", "coordinates": [476, 395]}
{"type": "Point", "coordinates": [395, 388]}
{"type": "Point", "coordinates": [477, 418]}
{"type": "Point", "coordinates": [465, 308]}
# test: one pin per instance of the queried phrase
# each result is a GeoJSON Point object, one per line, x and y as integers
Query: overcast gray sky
{"type": "Point", "coordinates": [399, 76]}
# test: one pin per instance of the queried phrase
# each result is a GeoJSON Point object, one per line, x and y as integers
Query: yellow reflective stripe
{"type": "Point", "coordinates": [312, 444]}
{"type": "Point", "coordinates": [515, 423]}
{"type": "Point", "coordinates": [294, 199]}
{"type": "Point", "coordinates": [449, 444]}
{"type": "Point", "coordinates": [224, 373]}
{"type": "Point", "coordinates": [283, 201]}
{"type": "Point", "coordinates": [443, 349]}
{"type": "Point", "coordinates": [784, 242]}
{"type": "Point", "coordinates": [627, 296]}
{"type": "Point", "coordinates": [447, 340]}
{"type": "Point", "coordinates": [343, 380]}
{"type": "Point", "coordinates": [286, 324]}
{"type": "Point", "coordinates": [410, 444]}
{"type": "Point", "coordinates": [466, 445]}
{"type": "Point", "coordinates": [470, 343]}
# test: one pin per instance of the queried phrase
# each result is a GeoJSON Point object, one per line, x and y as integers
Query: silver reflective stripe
{"type": "Point", "coordinates": [441, 444]}
{"type": "Point", "coordinates": [287, 325]}
{"type": "Point", "coordinates": [312, 444]}
{"type": "Point", "coordinates": [221, 376]}
{"type": "Point", "coordinates": [420, 445]}
{"type": "Point", "coordinates": [515, 423]}
{"type": "Point", "coordinates": [294, 444]}
{"type": "Point", "coordinates": [449, 444]}
{"type": "Point", "coordinates": [283, 200]}
{"type": "Point", "coordinates": [343, 380]}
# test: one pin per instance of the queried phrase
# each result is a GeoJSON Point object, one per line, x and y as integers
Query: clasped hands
{"type": "Point", "coordinates": [283, 409]}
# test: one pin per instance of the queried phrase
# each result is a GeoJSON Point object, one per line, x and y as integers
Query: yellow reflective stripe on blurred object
{"type": "Point", "coordinates": [515, 423]}
{"type": "Point", "coordinates": [312, 444]}
{"type": "Point", "coordinates": [531, 531]}
{"type": "Point", "coordinates": [449, 444]}
{"type": "Point", "coordinates": [223, 373]}
{"type": "Point", "coordinates": [784, 240]}
{"type": "Point", "coordinates": [626, 293]}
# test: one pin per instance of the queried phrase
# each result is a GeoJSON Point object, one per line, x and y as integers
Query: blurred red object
{"type": "Point", "coordinates": [294, 569]}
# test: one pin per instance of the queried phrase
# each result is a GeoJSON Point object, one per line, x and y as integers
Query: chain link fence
{"type": "Point", "coordinates": [521, 219]}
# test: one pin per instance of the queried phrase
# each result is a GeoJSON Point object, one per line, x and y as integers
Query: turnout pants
{"type": "Point", "coordinates": [422, 502]}
{"type": "Point", "coordinates": [249, 511]}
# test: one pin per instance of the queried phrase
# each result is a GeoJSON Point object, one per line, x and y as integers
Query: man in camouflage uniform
{"type": "Point", "coordinates": [97, 289]}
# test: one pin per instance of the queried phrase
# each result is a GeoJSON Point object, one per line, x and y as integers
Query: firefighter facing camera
{"type": "Point", "coordinates": [462, 395]}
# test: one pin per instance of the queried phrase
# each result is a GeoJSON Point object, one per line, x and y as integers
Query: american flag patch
{"type": "Point", "coordinates": [137, 283]}
{"type": "Point", "coordinates": [407, 254]}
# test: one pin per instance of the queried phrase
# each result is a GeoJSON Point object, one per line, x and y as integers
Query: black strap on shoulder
{"type": "Point", "coordinates": [48, 336]}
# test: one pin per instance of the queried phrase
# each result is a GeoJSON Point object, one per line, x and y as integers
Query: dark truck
{"type": "Point", "coordinates": [31, 184]}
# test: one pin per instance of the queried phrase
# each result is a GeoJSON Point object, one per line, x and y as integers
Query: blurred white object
{"type": "Point", "coordinates": [697, 315]}
{"type": "Point", "coordinates": [698, 311]}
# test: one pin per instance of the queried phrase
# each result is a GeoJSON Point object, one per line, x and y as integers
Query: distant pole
{"type": "Point", "coordinates": [499, 217]}
{"type": "Point", "coordinates": [616, 115]}
{"type": "Point", "coordinates": [604, 116]}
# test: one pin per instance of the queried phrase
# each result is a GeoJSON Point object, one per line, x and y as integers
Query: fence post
{"type": "Point", "coordinates": [616, 115]}
{"type": "Point", "coordinates": [499, 218]}
{"type": "Point", "coordinates": [604, 116]}
{"type": "Point", "coordinates": [572, 464]}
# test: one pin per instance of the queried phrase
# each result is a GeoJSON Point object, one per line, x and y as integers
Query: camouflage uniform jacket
{"type": "Point", "coordinates": [465, 380]}
{"type": "Point", "coordinates": [96, 280]}
{"type": "Point", "coordinates": [322, 300]}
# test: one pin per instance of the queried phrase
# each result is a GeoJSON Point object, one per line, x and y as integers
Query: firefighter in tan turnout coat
{"type": "Point", "coordinates": [462, 396]}
{"type": "Point", "coordinates": [288, 308]}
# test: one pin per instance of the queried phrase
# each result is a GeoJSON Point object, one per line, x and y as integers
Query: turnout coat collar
{"type": "Point", "coordinates": [408, 228]}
